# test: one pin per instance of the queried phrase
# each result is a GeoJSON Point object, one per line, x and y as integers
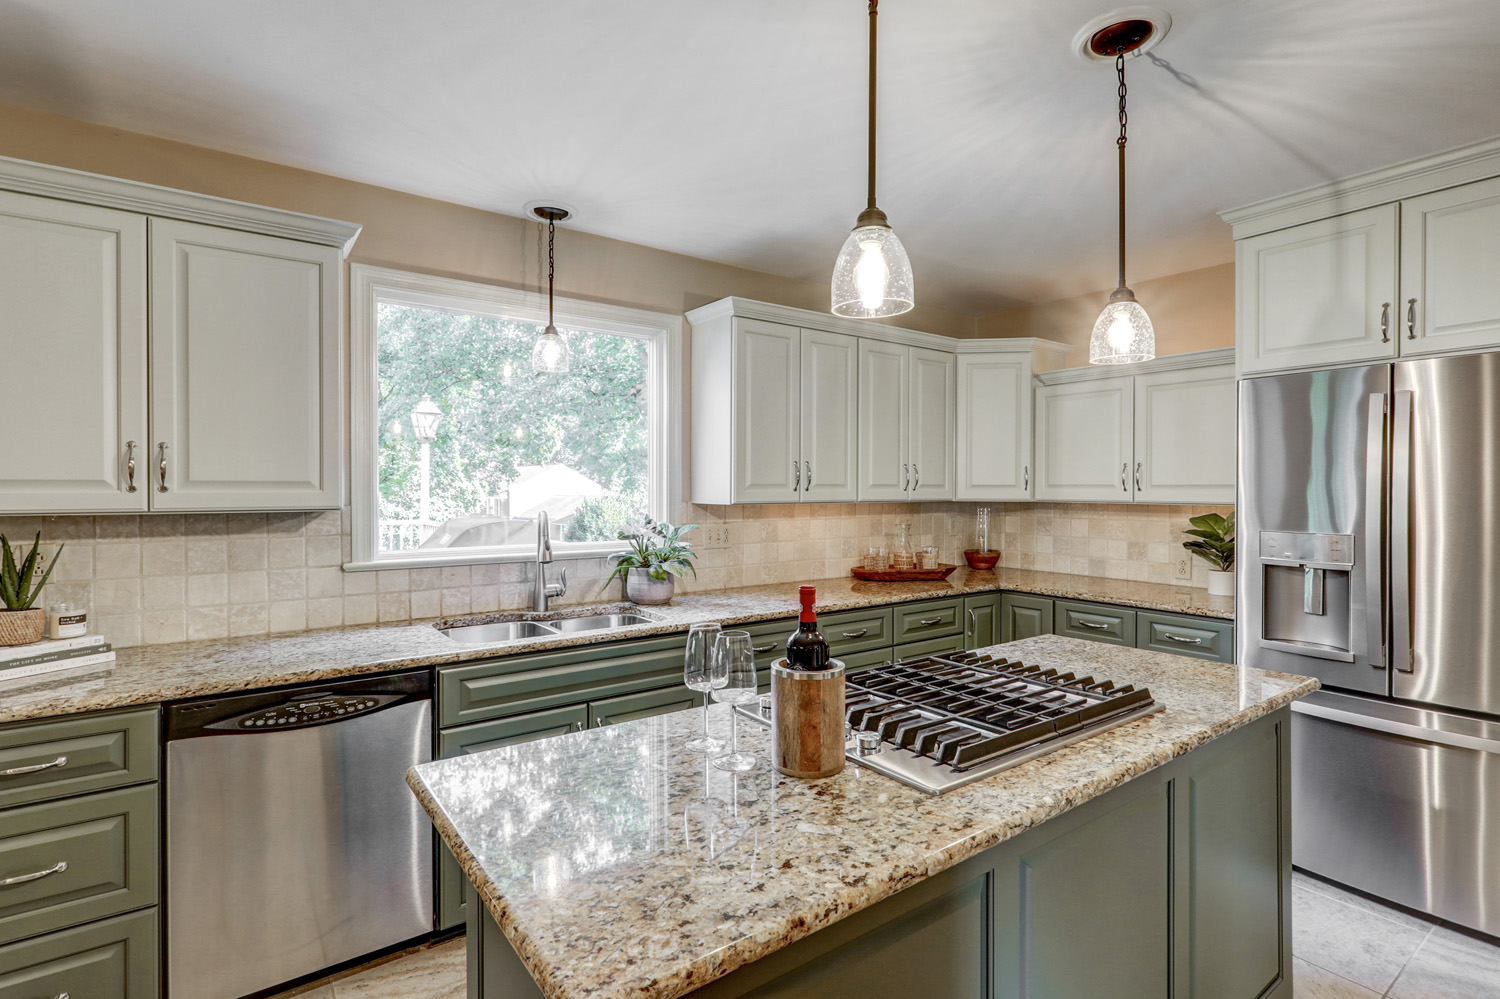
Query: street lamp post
{"type": "Point", "coordinates": [424, 421]}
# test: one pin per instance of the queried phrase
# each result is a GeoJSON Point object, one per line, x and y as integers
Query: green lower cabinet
{"type": "Point", "coordinates": [614, 710]}
{"type": "Point", "coordinates": [928, 619]}
{"type": "Point", "coordinates": [1095, 622]}
{"type": "Point", "coordinates": [858, 662]}
{"type": "Point", "coordinates": [1024, 616]}
{"type": "Point", "coordinates": [108, 959]}
{"type": "Point", "coordinates": [931, 647]}
{"type": "Point", "coordinates": [982, 620]}
{"type": "Point", "coordinates": [1201, 638]}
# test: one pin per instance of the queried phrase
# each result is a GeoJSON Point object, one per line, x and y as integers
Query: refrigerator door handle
{"type": "Point", "coordinates": [1373, 554]}
{"type": "Point", "coordinates": [1401, 658]}
{"type": "Point", "coordinates": [1391, 726]}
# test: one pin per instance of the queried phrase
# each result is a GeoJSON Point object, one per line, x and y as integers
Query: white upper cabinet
{"type": "Point", "coordinates": [830, 400]}
{"type": "Point", "coordinates": [1083, 435]}
{"type": "Point", "coordinates": [73, 340]}
{"type": "Point", "coordinates": [884, 458]}
{"type": "Point", "coordinates": [767, 413]}
{"type": "Point", "coordinates": [1450, 269]}
{"type": "Point", "coordinates": [994, 427]}
{"type": "Point", "coordinates": [246, 409]}
{"type": "Point", "coordinates": [1320, 293]}
{"type": "Point", "coordinates": [932, 415]}
{"type": "Point", "coordinates": [1185, 436]}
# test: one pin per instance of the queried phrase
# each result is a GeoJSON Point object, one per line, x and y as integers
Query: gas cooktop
{"type": "Point", "coordinates": [940, 722]}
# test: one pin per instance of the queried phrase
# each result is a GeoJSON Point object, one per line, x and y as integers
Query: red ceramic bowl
{"type": "Point", "coordinates": [981, 560]}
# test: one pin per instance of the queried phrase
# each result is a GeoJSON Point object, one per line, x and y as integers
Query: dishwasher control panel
{"type": "Point", "coordinates": [313, 710]}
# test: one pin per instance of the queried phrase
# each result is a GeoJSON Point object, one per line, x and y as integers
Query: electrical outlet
{"type": "Point", "coordinates": [715, 536]}
{"type": "Point", "coordinates": [1182, 566]}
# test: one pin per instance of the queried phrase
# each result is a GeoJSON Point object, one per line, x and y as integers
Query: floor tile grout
{"type": "Point", "coordinates": [1425, 937]}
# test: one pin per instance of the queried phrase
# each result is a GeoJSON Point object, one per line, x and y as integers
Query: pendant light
{"type": "Point", "coordinates": [1123, 333]}
{"type": "Point", "coordinates": [872, 276]}
{"type": "Point", "coordinates": [550, 353]}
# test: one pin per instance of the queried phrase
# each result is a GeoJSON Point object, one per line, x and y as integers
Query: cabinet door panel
{"type": "Point", "coordinates": [830, 416]}
{"type": "Point", "coordinates": [883, 456]}
{"type": "Point", "coordinates": [73, 326]}
{"type": "Point", "coordinates": [1095, 622]}
{"type": "Point", "coordinates": [1084, 441]}
{"type": "Point", "coordinates": [933, 414]}
{"type": "Point", "coordinates": [614, 710]}
{"type": "Point", "coordinates": [1450, 254]}
{"type": "Point", "coordinates": [1185, 433]}
{"type": "Point", "coordinates": [1314, 294]}
{"type": "Point", "coordinates": [1023, 616]}
{"type": "Point", "coordinates": [994, 427]}
{"type": "Point", "coordinates": [981, 621]}
{"type": "Point", "coordinates": [767, 412]}
{"type": "Point", "coordinates": [245, 370]}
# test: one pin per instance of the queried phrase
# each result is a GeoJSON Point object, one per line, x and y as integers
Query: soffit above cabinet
{"type": "Point", "coordinates": [65, 184]}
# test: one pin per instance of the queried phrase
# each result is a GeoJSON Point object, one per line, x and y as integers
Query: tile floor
{"type": "Point", "coordinates": [1344, 947]}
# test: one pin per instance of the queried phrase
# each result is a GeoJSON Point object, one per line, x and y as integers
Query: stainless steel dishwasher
{"type": "Point", "coordinates": [293, 843]}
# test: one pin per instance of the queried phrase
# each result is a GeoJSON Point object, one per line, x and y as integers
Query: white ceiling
{"type": "Point", "coordinates": [735, 132]}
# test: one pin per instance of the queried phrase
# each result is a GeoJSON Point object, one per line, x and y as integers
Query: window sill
{"type": "Point", "coordinates": [441, 557]}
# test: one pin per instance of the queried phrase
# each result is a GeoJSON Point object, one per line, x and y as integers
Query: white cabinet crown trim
{"type": "Point", "coordinates": [65, 184]}
{"type": "Point", "coordinates": [1449, 168]}
{"type": "Point", "coordinates": [1172, 362]}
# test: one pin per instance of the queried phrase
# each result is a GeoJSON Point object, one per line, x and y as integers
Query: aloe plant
{"type": "Point", "coordinates": [1213, 539]}
{"type": "Point", "coordinates": [658, 548]}
{"type": "Point", "coordinates": [18, 586]}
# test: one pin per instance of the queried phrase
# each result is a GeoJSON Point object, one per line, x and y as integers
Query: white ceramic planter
{"type": "Point", "coordinates": [1221, 584]}
{"type": "Point", "coordinates": [640, 588]}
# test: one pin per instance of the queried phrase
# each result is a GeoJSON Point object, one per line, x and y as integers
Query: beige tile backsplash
{"type": "Point", "coordinates": [158, 578]}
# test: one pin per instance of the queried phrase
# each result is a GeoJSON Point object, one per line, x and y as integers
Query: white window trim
{"type": "Point", "coordinates": [368, 285]}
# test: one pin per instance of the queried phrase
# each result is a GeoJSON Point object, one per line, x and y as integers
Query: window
{"type": "Point", "coordinates": [459, 446]}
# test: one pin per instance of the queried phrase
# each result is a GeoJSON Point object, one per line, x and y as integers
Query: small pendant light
{"type": "Point", "coordinates": [872, 276]}
{"type": "Point", "coordinates": [550, 353]}
{"type": "Point", "coordinates": [1123, 333]}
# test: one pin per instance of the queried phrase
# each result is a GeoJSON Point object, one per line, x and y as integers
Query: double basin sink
{"type": "Point", "coordinates": [521, 626]}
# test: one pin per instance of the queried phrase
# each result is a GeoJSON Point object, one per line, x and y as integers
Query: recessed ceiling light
{"type": "Point", "coordinates": [1134, 30]}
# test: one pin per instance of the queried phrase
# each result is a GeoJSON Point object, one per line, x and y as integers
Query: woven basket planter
{"type": "Point", "coordinates": [22, 627]}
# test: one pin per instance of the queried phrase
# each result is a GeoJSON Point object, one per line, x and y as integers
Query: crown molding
{"type": "Point", "coordinates": [64, 184]}
{"type": "Point", "coordinates": [1449, 168]}
{"type": "Point", "coordinates": [1170, 362]}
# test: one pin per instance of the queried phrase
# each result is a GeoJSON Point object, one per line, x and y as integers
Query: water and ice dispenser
{"type": "Point", "coordinates": [1307, 593]}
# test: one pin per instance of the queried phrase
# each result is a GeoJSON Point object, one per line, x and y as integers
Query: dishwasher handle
{"type": "Point", "coordinates": [302, 707]}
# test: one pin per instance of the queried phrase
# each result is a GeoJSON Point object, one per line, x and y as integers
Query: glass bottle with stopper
{"type": "Point", "coordinates": [902, 554]}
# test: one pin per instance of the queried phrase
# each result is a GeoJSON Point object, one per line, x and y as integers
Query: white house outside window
{"type": "Point", "coordinates": [459, 445]}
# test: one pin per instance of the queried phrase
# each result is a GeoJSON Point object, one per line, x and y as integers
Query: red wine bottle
{"type": "Point", "coordinates": [807, 649]}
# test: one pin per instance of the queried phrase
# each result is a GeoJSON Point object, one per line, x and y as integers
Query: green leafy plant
{"type": "Point", "coordinates": [1213, 539]}
{"type": "Point", "coordinates": [18, 586]}
{"type": "Point", "coordinates": [658, 548]}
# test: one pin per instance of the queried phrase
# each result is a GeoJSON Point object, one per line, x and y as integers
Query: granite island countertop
{"type": "Point", "coordinates": [155, 673]}
{"type": "Point", "coordinates": [620, 865]}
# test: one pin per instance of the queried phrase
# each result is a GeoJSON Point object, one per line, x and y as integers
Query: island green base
{"type": "Point", "coordinates": [1175, 884]}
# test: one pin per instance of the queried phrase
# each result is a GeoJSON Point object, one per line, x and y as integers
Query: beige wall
{"type": "Point", "coordinates": [1193, 310]}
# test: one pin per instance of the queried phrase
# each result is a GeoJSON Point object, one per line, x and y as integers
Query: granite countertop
{"type": "Point", "coordinates": [155, 673]}
{"type": "Point", "coordinates": [620, 865]}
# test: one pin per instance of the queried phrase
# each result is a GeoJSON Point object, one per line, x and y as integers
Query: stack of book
{"type": "Point", "coordinates": [58, 654]}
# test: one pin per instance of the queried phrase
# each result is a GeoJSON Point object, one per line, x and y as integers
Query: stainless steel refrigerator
{"type": "Point", "coordinates": [1369, 557]}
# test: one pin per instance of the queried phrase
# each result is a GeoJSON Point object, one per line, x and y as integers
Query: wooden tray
{"type": "Point", "coordinates": [943, 571]}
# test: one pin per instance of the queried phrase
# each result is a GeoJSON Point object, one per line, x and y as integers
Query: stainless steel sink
{"type": "Point", "coordinates": [597, 622]}
{"type": "Point", "coordinates": [500, 631]}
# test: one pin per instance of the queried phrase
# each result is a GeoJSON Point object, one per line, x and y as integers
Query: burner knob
{"type": "Point", "coordinates": [867, 743]}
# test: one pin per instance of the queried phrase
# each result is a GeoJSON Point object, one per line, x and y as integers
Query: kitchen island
{"type": "Point", "coordinates": [1148, 860]}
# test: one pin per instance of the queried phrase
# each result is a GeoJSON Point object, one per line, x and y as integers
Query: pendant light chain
{"type": "Point", "coordinates": [871, 157]}
{"type": "Point", "coordinates": [1120, 72]}
{"type": "Point", "coordinates": [551, 234]}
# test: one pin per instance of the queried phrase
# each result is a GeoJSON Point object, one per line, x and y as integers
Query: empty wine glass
{"type": "Point", "coordinates": [735, 661]}
{"type": "Point", "coordinates": [700, 672]}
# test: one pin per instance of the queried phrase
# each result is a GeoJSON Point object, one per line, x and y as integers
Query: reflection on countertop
{"type": "Point", "coordinates": [156, 673]}
{"type": "Point", "coordinates": [619, 864]}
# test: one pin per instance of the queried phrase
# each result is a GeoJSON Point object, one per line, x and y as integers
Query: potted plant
{"type": "Point", "coordinates": [1213, 542]}
{"type": "Point", "coordinates": [656, 557]}
{"type": "Point", "coordinates": [21, 623]}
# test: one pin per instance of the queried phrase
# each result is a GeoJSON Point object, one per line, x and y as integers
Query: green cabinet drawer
{"type": "Point", "coordinates": [1096, 622]}
{"type": "Point", "coordinates": [109, 959]}
{"type": "Point", "coordinates": [930, 647]}
{"type": "Point", "coordinates": [981, 620]}
{"type": "Point", "coordinates": [522, 684]}
{"type": "Point", "coordinates": [854, 631]}
{"type": "Point", "coordinates": [82, 858]}
{"type": "Point", "coordinates": [1024, 616]}
{"type": "Point", "coordinates": [1203, 638]}
{"type": "Point", "coordinates": [859, 661]}
{"type": "Point", "coordinates": [629, 707]}
{"type": "Point", "coordinates": [928, 619]}
{"type": "Point", "coordinates": [52, 759]}
{"type": "Point", "coordinates": [476, 739]}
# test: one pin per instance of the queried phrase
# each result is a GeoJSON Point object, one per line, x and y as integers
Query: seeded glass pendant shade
{"type": "Point", "coordinates": [872, 276]}
{"type": "Point", "coordinates": [549, 355]}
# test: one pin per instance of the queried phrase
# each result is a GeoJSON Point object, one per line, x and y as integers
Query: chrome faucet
{"type": "Point", "coordinates": [544, 590]}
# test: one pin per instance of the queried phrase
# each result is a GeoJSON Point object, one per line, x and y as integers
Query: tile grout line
{"type": "Point", "coordinates": [1425, 937]}
{"type": "Point", "coordinates": [1335, 974]}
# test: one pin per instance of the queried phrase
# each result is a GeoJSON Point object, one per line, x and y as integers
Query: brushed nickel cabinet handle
{"type": "Point", "coordinates": [1094, 625]}
{"type": "Point", "coordinates": [928, 622]}
{"type": "Point", "coordinates": [21, 879]}
{"type": "Point", "coordinates": [1182, 639]}
{"type": "Point", "coordinates": [973, 627]}
{"type": "Point", "coordinates": [1411, 319]}
{"type": "Point", "coordinates": [809, 475]}
{"type": "Point", "coordinates": [161, 467]}
{"type": "Point", "coordinates": [1026, 477]}
{"type": "Point", "coordinates": [1138, 477]}
{"type": "Point", "coordinates": [761, 649]}
{"type": "Point", "coordinates": [1385, 322]}
{"type": "Point", "coordinates": [861, 633]}
{"type": "Point", "coordinates": [61, 761]}
{"type": "Point", "coordinates": [130, 466]}
{"type": "Point", "coordinates": [906, 478]}
{"type": "Point", "coordinates": [1124, 477]}
{"type": "Point", "coordinates": [578, 726]}
{"type": "Point", "coordinates": [797, 471]}
{"type": "Point", "coordinates": [916, 475]}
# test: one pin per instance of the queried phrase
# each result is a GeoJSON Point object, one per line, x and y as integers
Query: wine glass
{"type": "Point", "coordinates": [734, 659]}
{"type": "Point", "coordinates": [700, 672]}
